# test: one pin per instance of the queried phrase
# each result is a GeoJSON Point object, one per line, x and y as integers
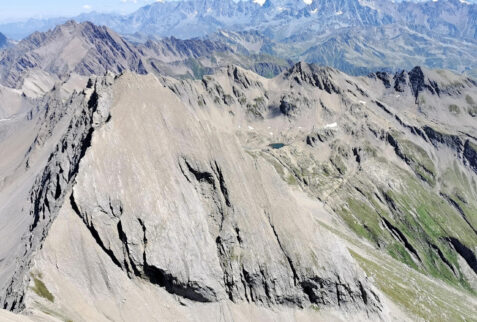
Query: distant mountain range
{"type": "Point", "coordinates": [37, 62]}
{"type": "Point", "coordinates": [356, 36]}
{"type": "Point", "coordinates": [192, 18]}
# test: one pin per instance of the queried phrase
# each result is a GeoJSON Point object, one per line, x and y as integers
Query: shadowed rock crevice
{"type": "Point", "coordinates": [290, 262]}
{"type": "Point", "coordinates": [418, 82]}
{"type": "Point", "coordinates": [209, 183]}
{"type": "Point", "coordinates": [459, 209]}
{"type": "Point", "coordinates": [470, 154]}
{"type": "Point", "coordinates": [466, 253]}
{"type": "Point", "coordinates": [452, 141]}
{"type": "Point", "coordinates": [399, 236]}
{"type": "Point", "coordinates": [443, 258]}
{"type": "Point", "coordinates": [191, 290]}
{"type": "Point", "coordinates": [95, 233]}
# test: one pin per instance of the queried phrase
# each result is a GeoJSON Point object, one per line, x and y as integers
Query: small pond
{"type": "Point", "coordinates": [276, 145]}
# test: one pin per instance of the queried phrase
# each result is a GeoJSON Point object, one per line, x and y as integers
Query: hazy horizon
{"type": "Point", "coordinates": [23, 10]}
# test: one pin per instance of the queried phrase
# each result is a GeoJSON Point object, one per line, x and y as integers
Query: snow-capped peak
{"type": "Point", "coordinates": [260, 2]}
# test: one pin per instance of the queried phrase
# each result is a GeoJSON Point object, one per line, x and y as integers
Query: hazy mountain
{"type": "Point", "coordinates": [20, 30]}
{"type": "Point", "coordinates": [200, 17]}
{"type": "Point", "coordinates": [5, 42]}
{"type": "Point", "coordinates": [191, 18]}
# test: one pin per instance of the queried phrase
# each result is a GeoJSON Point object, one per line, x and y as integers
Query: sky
{"type": "Point", "coordinates": [15, 10]}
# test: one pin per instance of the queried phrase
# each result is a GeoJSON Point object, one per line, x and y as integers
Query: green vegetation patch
{"type": "Point", "coordinates": [418, 159]}
{"type": "Point", "coordinates": [40, 288]}
{"type": "Point", "coordinates": [454, 109]}
{"type": "Point", "coordinates": [338, 163]}
{"type": "Point", "coordinates": [419, 296]}
{"type": "Point", "coordinates": [412, 223]}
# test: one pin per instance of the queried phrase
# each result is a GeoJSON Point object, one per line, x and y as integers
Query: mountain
{"type": "Point", "coordinates": [237, 196]}
{"type": "Point", "coordinates": [191, 18]}
{"type": "Point", "coordinates": [158, 178]}
{"type": "Point", "coordinates": [357, 36]}
{"type": "Point", "coordinates": [36, 63]}
{"type": "Point", "coordinates": [5, 42]}
{"type": "Point", "coordinates": [71, 47]}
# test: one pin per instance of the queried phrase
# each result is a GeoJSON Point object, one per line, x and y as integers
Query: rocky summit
{"type": "Point", "coordinates": [166, 179]}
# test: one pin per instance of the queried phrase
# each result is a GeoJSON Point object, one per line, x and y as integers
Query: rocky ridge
{"type": "Point", "coordinates": [71, 123]}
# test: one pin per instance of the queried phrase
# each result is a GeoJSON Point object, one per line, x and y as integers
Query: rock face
{"type": "Point", "coordinates": [202, 229]}
{"type": "Point", "coordinates": [153, 197]}
{"type": "Point", "coordinates": [237, 241]}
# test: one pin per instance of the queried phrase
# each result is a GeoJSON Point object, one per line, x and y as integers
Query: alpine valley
{"type": "Point", "coordinates": [206, 160]}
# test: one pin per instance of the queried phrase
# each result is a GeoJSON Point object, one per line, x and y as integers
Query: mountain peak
{"type": "Point", "coordinates": [318, 76]}
{"type": "Point", "coordinates": [83, 48]}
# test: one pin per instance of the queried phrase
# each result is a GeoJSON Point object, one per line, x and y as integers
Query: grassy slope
{"type": "Point", "coordinates": [420, 296]}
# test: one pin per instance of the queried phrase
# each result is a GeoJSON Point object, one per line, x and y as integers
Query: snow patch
{"type": "Point", "coordinates": [331, 125]}
{"type": "Point", "coordinates": [260, 2]}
